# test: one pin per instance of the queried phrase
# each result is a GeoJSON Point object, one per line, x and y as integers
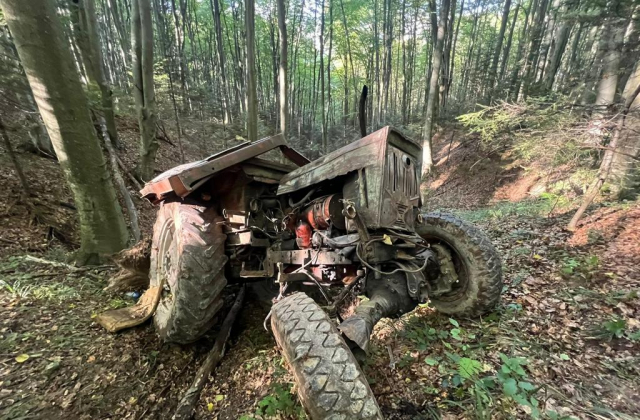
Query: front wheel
{"type": "Point", "coordinates": [476, 262]}
{"type": "Point", "coordinates": [188, 260]}
{"type": "Point", "coordinates": [330, 382]}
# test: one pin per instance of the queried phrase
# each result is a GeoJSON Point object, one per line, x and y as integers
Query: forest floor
{"type": "Point", "coordinates": [564, 342]}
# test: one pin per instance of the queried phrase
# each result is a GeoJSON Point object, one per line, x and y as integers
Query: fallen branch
{"type": "Point", "coordinates": [131, 208]}
{"type": "Point", "coordinates": [84, 270]}
{"type": "Point", "coordinates": [190, 398]}
{"type": "Point", "coordinates": [164, 137]}
{"type": "Point", "coordinates": [129, 175]}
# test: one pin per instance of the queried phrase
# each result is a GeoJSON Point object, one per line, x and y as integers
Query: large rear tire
{"type": "Point", "coordinates": [476, 261]}
{"type": "Point", "coordinates": [187, 252]}
{"type": "Point", "coordinates": [331, 384]}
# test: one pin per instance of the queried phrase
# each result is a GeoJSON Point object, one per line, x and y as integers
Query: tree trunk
{"type": "Point", "coordinates": [96, 71]}
{"type": "Point", "coordinates": [507, 48]}
{"type": "Point", "coordinates": [282, 73]}
{"type": "Point", "coordinates": [534, 47]}
{"type": "Point", "coordinates": [496, 55]}
{"type": "Point", "coordinates": [48, 63]}
{"type": "Point", "coordinates": [557, 50]}
{"type": "Point", "coordinates": [625, 166]}
{"type": "Point", "coordinates": [252, 95]}
{"type": "Point", "coordinates": [142, 67]}
{"type": "Point", "coordinates": [215, 9]}
{"type": "Point", "coordinates": [608, 84]}
{"type": "Point", "coordinates": [322, 87]}
{"type": "Point", "coordinates": [427, 158]}
{"type": "Point", "coordinates": [514, 81]}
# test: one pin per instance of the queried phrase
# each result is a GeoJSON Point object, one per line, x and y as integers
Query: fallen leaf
{"type": "Point", "coordinates": [22, 358]}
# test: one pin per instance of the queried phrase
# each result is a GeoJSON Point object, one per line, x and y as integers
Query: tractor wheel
{"type": "Point", "coordinates": [475, 260]}
{"type": "Point", "coordinates": [187, 252]}
{"type": "Point", "coordinates": [330, 382]}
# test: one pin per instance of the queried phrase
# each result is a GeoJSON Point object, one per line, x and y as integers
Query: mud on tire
{"type": "Point", "coordinates": [188, 252]}
{"type": "Point", "coordinates": [476, 260]}
{"type": "Point", "coordinates": [330, 382]}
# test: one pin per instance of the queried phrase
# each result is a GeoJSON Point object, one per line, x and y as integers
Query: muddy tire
{"type": "Point", "coordinates": [330, 383]}
{"type": "Point", "coordinates": [188, 253]}
{"type": "Point", "coordinates": [476, 261]}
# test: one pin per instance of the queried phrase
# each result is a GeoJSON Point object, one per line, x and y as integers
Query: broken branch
{"type": "Point", "coordinates": [190, 398]}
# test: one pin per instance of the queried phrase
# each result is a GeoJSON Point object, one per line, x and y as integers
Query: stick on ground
{"type": "Point", "coordinates": [190, 398]}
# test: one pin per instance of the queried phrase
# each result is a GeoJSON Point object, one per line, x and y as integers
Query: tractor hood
{"type": "Point", "coordinates": [369, 151]}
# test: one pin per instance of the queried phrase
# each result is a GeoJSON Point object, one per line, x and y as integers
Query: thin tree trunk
{"type": "Point", "coordinates": [282, 73]}
{"type": "Point", "coordinates": [427, 157]}
{"type": "Point", "coordinates": [322, 87]}
{"type": "Point", "coordinates": [252, 100]}
{"type": "Point", "coordinates": [557, 49]}
{"type": "Point", "coordinates": [507, 48]}
{"type": "Point", "coordinates": [142, 44]}
{"type": "Point", "coordinates": [97, 71]}
{"type": "Point", "coordinates": [26, 191]}
{"type": "Point", "coordinates": [493, 71]}
{"type": "Point", "coordinates": [608, 84]}
{"type": "Point", "coordinates": [124, 192]}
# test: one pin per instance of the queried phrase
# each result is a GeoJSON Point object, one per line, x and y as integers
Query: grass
{"type": "Point", "coordinates": [505, 209]}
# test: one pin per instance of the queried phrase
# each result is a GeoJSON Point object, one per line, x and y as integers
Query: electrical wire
{"type": "Point", "coordinates": [366, 264]}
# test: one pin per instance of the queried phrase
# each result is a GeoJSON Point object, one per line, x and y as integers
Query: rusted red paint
{"type": "Point", "coordinates": [303, 234]}
{"type": "Point", "coordinates": [184, 179]}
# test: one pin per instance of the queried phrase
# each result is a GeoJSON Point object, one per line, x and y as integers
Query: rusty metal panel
{"type": "Point", "coordinates": [368, 151]}
{"type": "Point", "coordinates": [185, 178]}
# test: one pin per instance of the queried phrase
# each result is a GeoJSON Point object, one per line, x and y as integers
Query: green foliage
{"type": "Point", "coordinates": [614, 328]}
{"type": "Point", "coordinates": [505, 209]}
{"type": "Point", "coordinates": [280, 402]}
{"type": "Point", "coordinates": [579, 267]}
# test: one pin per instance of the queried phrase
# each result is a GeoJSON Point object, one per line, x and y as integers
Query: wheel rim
{"type": "Point", "coordinates": [164, 269]}
{"type": "Point", "coordinates": [460, 287]}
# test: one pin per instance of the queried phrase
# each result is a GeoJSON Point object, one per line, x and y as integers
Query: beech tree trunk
{"type": "Point", "coordinates": [496, 55]}
{"type": "Point", "coordinates": [625, 166]}
{"type": "Point", "coordinates": [252, 95]}
{"type": "Point", "coordinates": [48, 64]}
{"type": "Point", "coordinates": [282, 71]}
{"type": "Point", "coordinates": [91, 51]}
{"type": "Point", "coordinates": [142, 44]}
{"type": "Point", "coordinates": [608, 84]}
{"type": "Point", "coordinates": [427, 157]}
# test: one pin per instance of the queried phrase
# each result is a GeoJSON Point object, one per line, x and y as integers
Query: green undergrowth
{"type": "Point", "coordinates": [544, 205]}
{"type": "Point", "coordinates": [543, 129]}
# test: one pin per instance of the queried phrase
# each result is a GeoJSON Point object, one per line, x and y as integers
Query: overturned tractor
{"type": "Point", "coordinates": [320, 233]}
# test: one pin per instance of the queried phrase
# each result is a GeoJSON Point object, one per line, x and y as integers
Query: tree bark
{"type": "Point", "coordinates": [322, 87]}
{"type": "Point", "coordinates": [142, 44]}
{"type": "Point", "coordinates": [226, 90]}
{"type": "Point", "coordinates": [282, 71]}
{"type": "Point", "coordinates": [625, 167]}
{"type": "Point", "coordinates": [608, 84]}
{"type": "Point", "coordinates": [507, 48]}
{"type": "Point", "coordinates": [427, 157]}
{"type": "Point", "coordinates": [557, 49]}
{"type": "Point", "coordinates": [124, 192]}
{"type": "Point", "coordinates": [496, 55]}
{"type": "Point", "coordinates": [252, 96]}
{"type": "Point", "coordinates": [92, 54]}
{"type": "Point", "coordinates": [48, 63]}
